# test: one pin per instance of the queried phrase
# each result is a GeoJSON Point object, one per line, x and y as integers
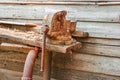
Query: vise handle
{"type": "Point", "coordinates": [44, 30]}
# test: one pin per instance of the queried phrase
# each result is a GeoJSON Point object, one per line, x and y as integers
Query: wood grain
{"type": "Point", "coordinates": [76, 12]}
{"type": "Point", "coordinates": [100, 52]}
{"type": "Point", "coordinates": [69, 74]}
{"type": "Point", "coordinates": [101, 41]}
{"type": "Point", "coordinates": [13, 75]}
{"type": "Point", "coordinates": [57, 73]}
{"type": "Point", "coordinates": [59, 0]}
{"type": "Point", "coordinates": [89, 63]}
{"type": "Point", "coordinates": [97, 49]}
{"type": "Point", "coordinates": [15, 47]}
{"type": "Point", "coordinates": [21, 37]}
{"type": "Point", "coordinates": [100, 30]}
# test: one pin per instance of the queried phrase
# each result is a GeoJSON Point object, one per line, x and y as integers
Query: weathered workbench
{"type": "Point", "coordinates": [24, 38]}
{"type": "Point", "coordinates": [28, 38]}
{"type": "Point", "coordinates": [55, 34]}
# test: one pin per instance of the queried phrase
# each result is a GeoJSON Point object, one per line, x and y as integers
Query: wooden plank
{"type": "Point", "coordinates": [17, 23]}
{"type": "Point", "coordinates": [28, 39]}
{"type": "Point", "coordinates": [76, 12]}
{"type": "Point", "coordinates": [12, 55]}
{"type": "Point", "coordinates": [59, 0]}
{"type": "Point", "coordinates": [15, 57]}
{"type": "Point", "coordinates": [64, 74]}
{"type": "Point", "coordinates": [97, 49]}
{"type": "Point", "coordinates": [68, 74]}
{"type": "Point", "coordinates": [14, 75]}
{"type": "Point", "coordinates": [18, 66]}
{"type": "Point", "coordinates": [58, 73]}
{"type": "Point", "coordinates": [23, 0]}
{"type": "Point", "coordinates": [11, 0]}
{"type": "Point", "coordinates": [47, 2]}
{"type": "Point", "coordinates": [17, 60]}
{"type": "Point", "coordinates": [12, 12]}
{"type": "Point", "coordinates": [89, 63]}
{"type": "Point", "coordinates": [109, 3]}
{"type": "Point", "coordinates": [23, 20]}
{"type": "Point", "coordinates": [100, 30]}
{"type": "Point", "coordinates": [15, 47]}
{"type": "Point", "coordinates": [5, 40]}
{"type": "Point", "coordinates": [88, 0]}
{"type": "Point", "coordinates": [107, 42]}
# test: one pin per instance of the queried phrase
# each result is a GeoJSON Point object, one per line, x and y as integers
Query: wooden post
{"type": "Point", "coordinates": [47, 65]}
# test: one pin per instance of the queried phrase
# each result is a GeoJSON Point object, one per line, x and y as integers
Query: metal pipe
{"type": "Point", "coordinates": [29, 64]}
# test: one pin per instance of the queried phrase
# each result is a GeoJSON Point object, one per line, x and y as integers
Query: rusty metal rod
{"type": "Point", "coordinates": [47, 65]}
{"type": "Point", "coordinates": [29, 64]}
{"type": "Point", "coordinates": [43, 49]}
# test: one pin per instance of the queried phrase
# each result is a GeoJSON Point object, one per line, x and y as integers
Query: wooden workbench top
{"type": "Point", "coordinates": [34, 39]}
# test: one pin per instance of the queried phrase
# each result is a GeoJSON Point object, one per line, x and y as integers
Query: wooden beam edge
{"type": "Point", "coordinates": [49, 3]}
{"type": "Point", "coordinates": [11, 36]}
{"type": "Point", "coordinates": [15, 47]}
{"type": "Point", "coordinates": [102, 3]}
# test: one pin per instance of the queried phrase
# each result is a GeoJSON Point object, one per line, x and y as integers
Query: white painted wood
{"type": "Point", "coordinates": [21, 11]}
{"type": "Point", "coordinates": [59, 0]}
{"type": "Point", "coordinates": [98, 49]}
{"type": "Point", "coordinates": [23, 20]}
{"type": "Point", "coordinates": [98, 64]}
{"type": "Point", "coordinates": [107, 42]}
{"type": "Point", "coordinates": [109, 3]}
{"type": "Point", "coordinates": [75, 12]}
{"type": "Point", "coordinates": [48, 3]}
{"type": "Point", "coordinates": [90, 63]}
{"type": "Point", "coordinates": [102, 30]}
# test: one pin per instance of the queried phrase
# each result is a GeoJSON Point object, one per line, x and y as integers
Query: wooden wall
{"type": "Point", "coordinates": [99, 59]}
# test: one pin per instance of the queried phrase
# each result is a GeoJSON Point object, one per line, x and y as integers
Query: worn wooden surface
{"type": "Point", "coordinates": [99, 49]}
{"type": "Point", "coordinates": [17, 23]}
{"type": "Point", "coordinates": [99, 56]}
{"type": "Point", "coordinates": [81, 13]}
{"type": "Point", "coordinates": [58, 0]}
{"type": "Point", "coordinates": [102, 41]}
{"type": "Point", "coordinates": [90, 19]}
{"type": "Point", "coordinates": [58, 73]}
{"type": "Point", "coordinates": [69, 74]}
{"type": "Point", "coordinates": [90, 63]}
{"type": "Point", "coordinates": [15, 47]}
{"type": "Point", "coordinates": [101, 30]}
{"type": "Point", "coordinates": [28, 39]}
{"type": "Point", "coordinates": [14, 75]}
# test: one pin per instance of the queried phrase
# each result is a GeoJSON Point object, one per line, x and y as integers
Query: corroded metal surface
{"type": "Point", "coordinates": [29, 64]}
